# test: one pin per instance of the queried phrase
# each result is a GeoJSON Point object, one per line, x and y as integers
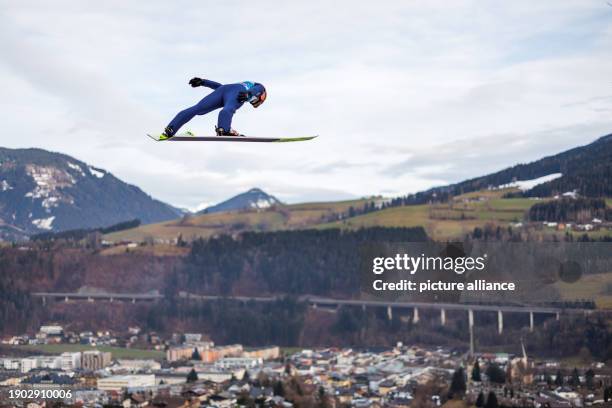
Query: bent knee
{"type": "Point", "coordinates": [228, 111]}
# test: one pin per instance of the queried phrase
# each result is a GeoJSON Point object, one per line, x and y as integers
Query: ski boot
{"type": "Point", "coordinates": [168, 133]}
{"type": "Point", "coordinates": [223, 132]}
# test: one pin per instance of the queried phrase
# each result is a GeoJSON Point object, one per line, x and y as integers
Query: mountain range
{"type": "Point", "coordinates": [46, 191]}
{"type": "Point", "coordinates": [585, 170]}
{"type": "Point", "coordinates": [42, 191]}
{"type": "Point", "coordinates": [254, 199]}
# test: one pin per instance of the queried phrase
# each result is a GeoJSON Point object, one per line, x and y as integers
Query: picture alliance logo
{"type": "Point", "coordinates": [414, 264]}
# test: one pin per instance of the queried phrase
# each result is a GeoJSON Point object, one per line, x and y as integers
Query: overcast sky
{"type": "Point", "coordinates": [405, 95]}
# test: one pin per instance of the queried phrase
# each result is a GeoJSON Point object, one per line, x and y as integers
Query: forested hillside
{"type": "Point", "coordinates": [581, 210]}
{"type": "Point", "coordinates": [585, 169]}
{"type": "Point", "coordinates": [321, 262]}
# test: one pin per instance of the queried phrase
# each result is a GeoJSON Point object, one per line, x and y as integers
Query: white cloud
{"type": "Point", "coordinates": [405, 95]}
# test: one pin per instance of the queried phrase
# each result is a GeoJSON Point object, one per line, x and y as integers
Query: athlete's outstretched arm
{"type": "Point", "coordinates": [210, 84]}
{"type": "Point", "coordinates": [195, 82]}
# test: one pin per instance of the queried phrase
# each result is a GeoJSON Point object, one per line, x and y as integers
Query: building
{"type": "Point", "coordinates": [93, 360]}
{"type": "Point", "coordinates": [208, 353]}
{"type": "Point", "coordinates": [10, 363]}
{"type": "Point", "coordinates": [265, 353]}
{"type": "Point", "coordinates": [51, 330]}
{"type": "Point", "coordinates": [218, 376]}
{"type": "Point", "coordinates": [179, 353]}
{"type": "Point", "coordinates": [230, 363]}
{"type": "Point", "coordinates": [193, 337]}
{"type": "Point", "coordinates": [120, 382]}
{"type": "Point", "coordinates": [28, 364]}
{"type": "Point", "coordinates": [52, 362]}
{"type": "Point", "coordinates": [137, 365]}
{"type": "Point", "coordinates": [70, 361]}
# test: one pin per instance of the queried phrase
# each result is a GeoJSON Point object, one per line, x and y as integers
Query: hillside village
{"type": "Point", "coordinates": [194, 372]}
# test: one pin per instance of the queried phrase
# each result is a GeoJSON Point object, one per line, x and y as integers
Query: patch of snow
{"type": "Point", "coordinates": [49, 184]}
{"type": "Point", "coordinates": [571, 194]}
{"type": "Point", "coordinates": [44, 223]}
{"type": "Point", "coordinates": [525, 185]}
{"type": "Point", "coordinates": [97, 173]}
{"type": "Point", "coordinates": [77, 168]}
{"type": "Point", "coordinates": [4, 186]}
{"type": "Point", "coordinates": [262, 203]}
{"type": "Point", "coordinates": [50, 202]}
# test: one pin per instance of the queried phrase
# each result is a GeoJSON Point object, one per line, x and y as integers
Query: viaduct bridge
{"type": "Point", "coordinates": [97, 296]}
{"type": "Point", "coordinates": [323, 302]}
{"type": "Point", "coordinates": [470, 309]}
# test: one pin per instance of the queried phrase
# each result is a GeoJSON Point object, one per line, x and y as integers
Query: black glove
{"type": "Point", "coordinates": [244, 96]}
{"type": "Point", "coordinates": [195, 82]}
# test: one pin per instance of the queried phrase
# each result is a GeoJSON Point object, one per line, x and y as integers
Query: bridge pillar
{"type": "Point", "coordinates": [89, 299]}
{"type": "Point", "coordinates": [133, 300]}
{"type": "Point", "coordinates": [415, 316]}
{"type": "Point", "coordinates": [44, 299]}
{"type": "Point", "coordinates": [471, 328]}
{"type": "Point", "coordinates": [531, 321]}
{"type": "Point", "coordinates": [111, 299]}
{"type": "Point", "coordinates": [500, 321]}
{"type": "Point", "coordinates": [389, 313]}
{"type": "Point", "coordinates": [66, 299]}
{"type": "Point", "coordinates": [443, 317]}
{"type": "Point", "coordinates": [363, 307]}
{"type": "Point", "coordinates": [557, 316]}
{"type": "Point", "coordinates": [314, 305]}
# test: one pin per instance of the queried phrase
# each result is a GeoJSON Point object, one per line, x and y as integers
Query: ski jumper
{"type": "Point", "coordinates": [223, 96]}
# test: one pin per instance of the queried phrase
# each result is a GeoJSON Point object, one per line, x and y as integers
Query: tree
{"type": "Point", "coordinates": [496, 374]}
{"type": "Point", "coordinates": [590, 376]}
{"type": "Point", "coordinates": [192, 376]}
{"type": "Point", "coordinates": [262, 379]}
{"type": "Point", "coordinates": [278, 388]}
{"type": "Point", "coordinates": [458, 386]}
{"type": "Point", "coordinates": [196, 355]}
{"type": "Point", "coordinates": [324, 401]}
{"type": "Point", "coordinates": [476, 372]}
{"type": "Point", "coordinates": [492, 400]}
{"type": "Point", "coordinates": [559, 378]}
{"type": "Point", "coordinates": [575, 381]}
{"type": "Point", "coordinates": [548, 378]}
{"type": "Point", "coordinates": [480, 400]}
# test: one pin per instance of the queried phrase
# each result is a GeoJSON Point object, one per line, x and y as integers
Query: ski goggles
{"type": "Point", "coordinates": [257, 100]}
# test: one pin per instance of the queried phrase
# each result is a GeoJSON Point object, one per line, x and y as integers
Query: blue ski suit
{"type": "Point", "coordinates": [223, 96]}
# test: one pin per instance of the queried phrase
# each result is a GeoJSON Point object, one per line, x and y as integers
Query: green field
{"type": "Point", "coordinates": [444, 221]}
{"type": "Point", "coordinates": [117, 352]}
{"type": "Point", "coordinates": [595, 286]}
{"type": "Point", "coordinates": [287, 351]}
{"type": "Point", "coordinates": [207, 225]}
